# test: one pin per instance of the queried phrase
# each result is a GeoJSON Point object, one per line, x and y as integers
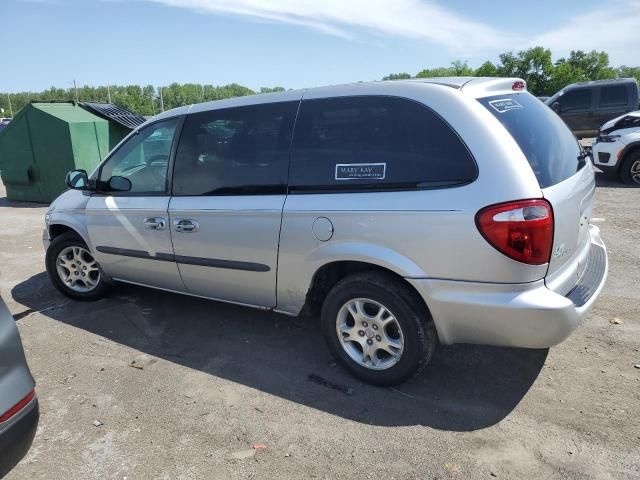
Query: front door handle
{"type": "Point", "coordinates": [186, 225]}
{"type": "Point", "coordinates": [155, 223]}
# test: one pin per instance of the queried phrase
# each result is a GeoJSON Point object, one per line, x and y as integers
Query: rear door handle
{"type": "Point", "coordinates": [186, 225]}
{"type": "Point", "coordinates": [155, 223]}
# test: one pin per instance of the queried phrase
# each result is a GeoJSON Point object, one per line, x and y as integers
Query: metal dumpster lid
{"type": "Point", "coordinates": [112, 112]}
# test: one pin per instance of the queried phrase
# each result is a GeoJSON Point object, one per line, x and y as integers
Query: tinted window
{"type": "Point", "coordinates": [546, 141]}
{"type": "Point", "coordinates": [143, 158]}
{"type": "Point", "coordinates": [369, 142]}
{"type": "Point", "coordinates": [613, 96]}
{"type": "Point", "coordinates": [579, 99]}
{"type": "Point", "coordinates": [242, 150]}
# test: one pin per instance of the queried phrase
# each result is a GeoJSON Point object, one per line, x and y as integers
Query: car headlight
{"type": "Point", "coordinates": [608, 138]}
{"type": "Point", "coordinates": [47, 217]}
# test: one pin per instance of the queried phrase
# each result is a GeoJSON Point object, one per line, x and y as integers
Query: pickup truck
{"type": "Point", "coordinates": [585, 106]}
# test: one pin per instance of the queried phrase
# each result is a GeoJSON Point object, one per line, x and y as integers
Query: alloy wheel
{"type": "Point", "coordinates": [370, 334]}
{"type": "Point", "coordinates": [77, 269]}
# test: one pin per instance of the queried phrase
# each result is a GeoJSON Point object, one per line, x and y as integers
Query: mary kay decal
{"type": "Point", "coordinates": [505, 104]}
{"type": "Point", "coordinates": [359, 171]}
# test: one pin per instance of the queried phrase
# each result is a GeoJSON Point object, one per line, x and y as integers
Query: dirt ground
{"type": "Point", "coordinates": [211, 381]}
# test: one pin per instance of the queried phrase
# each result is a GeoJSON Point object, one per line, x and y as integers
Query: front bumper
{"type": "Point", "coordinates": [17, 437]}
{"type": "Point", "coordinates": [515, 315]}
{"type": "Point", "coordinates": [605, 155]}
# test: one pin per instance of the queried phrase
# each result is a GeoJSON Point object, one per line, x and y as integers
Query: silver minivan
{"type": "Point", "coordinates": [404, 213]}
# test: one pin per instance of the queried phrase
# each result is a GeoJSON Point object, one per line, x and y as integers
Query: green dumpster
{"type": "Point", "coordinates": [47, 139]}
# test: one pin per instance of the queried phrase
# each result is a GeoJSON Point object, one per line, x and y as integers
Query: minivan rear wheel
{"type": "Point", "coordinates": [630, 169]}
{"type": "Point", "coordinates": [73, 270]}
{"type": "Point", "coordinates": [377, 328]}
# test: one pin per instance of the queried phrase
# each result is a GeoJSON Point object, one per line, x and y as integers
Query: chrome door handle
{"type": "Point", "coordinates": [155, 223]}
{"type": "Point", "coordinates": [186, 226]}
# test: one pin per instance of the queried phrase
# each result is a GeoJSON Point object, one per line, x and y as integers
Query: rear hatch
{"type": "Point", "coordinates": [564, 174]}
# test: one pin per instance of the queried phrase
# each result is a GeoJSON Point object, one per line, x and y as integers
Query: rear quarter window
{"type": "Point", "coordinates": [375, 142]}
{"type": "Point", "coordinates": [614, 96]}
{"type": "Point", "coordinates": [547, 143]}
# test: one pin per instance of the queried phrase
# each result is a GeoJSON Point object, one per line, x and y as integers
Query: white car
{"type": "Point", "coordinates": [616, 150]}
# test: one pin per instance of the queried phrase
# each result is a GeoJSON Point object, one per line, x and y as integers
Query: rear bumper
{"type": "Point", "coordinates": [17, 437]}
{"type": "Point", "coordinates": [522, 315]}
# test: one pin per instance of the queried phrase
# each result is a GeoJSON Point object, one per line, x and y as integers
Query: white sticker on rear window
{"type": "Point", "coordinates": [505, 104]}
{"type": "Point", "coordinates": [359, 171]}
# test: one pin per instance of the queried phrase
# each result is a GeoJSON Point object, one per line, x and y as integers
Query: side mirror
{"type": "Point", "coordinates": [119, 184]}
{"type": "Point", "coordinates": [77, 179]}
{"type": "Point", "coordinates": [556, 107]}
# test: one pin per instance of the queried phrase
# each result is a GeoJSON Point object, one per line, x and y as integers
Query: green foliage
{"type": "Point", "coordinates": [397, 76]}
{"type": "Point", "coordinates": [271, 90]}
{"type": "Point", "coordinates": [456, 69]}
{"type": "Point", "coordinates": [487, 69]}
{"type": "Point", "coordinates": [629, 72]}
{"type": "Point", "coordinates": [141, 100]}
{"type": "Point", "coordinates": [536, 67]}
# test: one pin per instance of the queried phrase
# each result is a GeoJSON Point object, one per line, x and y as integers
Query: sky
{"type": "Point", "coordinates": [289, 43]}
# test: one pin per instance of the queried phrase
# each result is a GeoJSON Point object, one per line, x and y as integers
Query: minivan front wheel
{"type": "Point", "coordinates": [73, 270]}
{"type": "Point", "coordinates": [377, 328]}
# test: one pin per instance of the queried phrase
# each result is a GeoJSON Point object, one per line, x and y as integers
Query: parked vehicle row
{"type": "Point", "coordinates": [585, 106]}
{"type": "Point", "coordinates": [405, 213]}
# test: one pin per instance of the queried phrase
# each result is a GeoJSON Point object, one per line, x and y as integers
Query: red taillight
{"type": "Point", "coordinates": [17, 407]}
{"type": "Point", "coordinates": [518, 85]}
{"type": "Point", "coordinates": [522, 230]}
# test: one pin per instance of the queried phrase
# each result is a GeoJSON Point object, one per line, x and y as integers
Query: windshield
{"type": "Point", "coordinates": [551, 149]}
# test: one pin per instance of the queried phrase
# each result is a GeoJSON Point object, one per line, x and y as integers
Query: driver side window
{"type": "Point", "coordinates": [144, 158]}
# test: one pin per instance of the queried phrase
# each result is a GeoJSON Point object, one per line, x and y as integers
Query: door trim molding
{"type": "Point", "coordinates": [185, 260]}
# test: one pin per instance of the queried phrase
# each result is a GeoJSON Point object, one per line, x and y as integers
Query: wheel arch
{"type": "Point", "coordinates": [629, 149]}
{"type": "Point", "coordinates": [330, 273]}
{"type": "Point", "coordinates": [60, 227]}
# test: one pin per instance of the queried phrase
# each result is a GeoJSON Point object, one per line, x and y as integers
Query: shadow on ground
{"type": "Point", "coordinates": [611, 181]}
{"type": "Point", "coordinates": [464, 388]}
{"type": "Point", "coordinates": [5, 202]}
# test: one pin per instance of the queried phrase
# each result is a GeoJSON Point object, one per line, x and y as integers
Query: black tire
{"type": "Point", "coordinates": [632, 161]}
{"type": "Point", "coordinates": [413, 318]}
{"type": "Point", "coordinates": [71, 239]}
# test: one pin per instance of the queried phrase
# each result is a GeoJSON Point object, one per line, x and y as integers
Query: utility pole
{"type": "Point", "coordinates": [153, 107]}
{"type": "Point", "coordinates": [10, 107]}
{"type": "Point", "coordinates": [202, 89]}
{"type": "Point", "coordinates": [108, 94]}
{"type": "Point", "coordinates": [76, 89]}
{"type": "Point", "coordinates": [161, 101]}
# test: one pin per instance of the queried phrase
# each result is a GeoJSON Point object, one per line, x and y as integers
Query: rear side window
{"type": "Point", "coordinates": [235, 151]}
{"type": "Point", "coordinates": [613, 96]}
{"type": "Point", "coordinates": [575, 100]}
{"type": "Point", "coordinates": [546, 141]}
{"type": "Point", "coordinates": [361, 143]}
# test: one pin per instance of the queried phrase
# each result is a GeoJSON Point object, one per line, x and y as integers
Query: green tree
{"type": "Point", "coordinates": [533, 65]}
{"type": "Point", "coordinates": [594, 65]}
{"type": "Point", "coordinates": [487, 69]}
{"type": "Point", "coordinates": [397, 76]}
{"type": "Point", "coordinates": [628, 72]}
{"type": "Point", "coordinates": [271, 89]}
{"type": "Point", "coordinates": [461, 69]}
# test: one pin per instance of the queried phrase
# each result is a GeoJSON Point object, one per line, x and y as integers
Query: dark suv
{"type": "Point", "coordinates": [585, 106]}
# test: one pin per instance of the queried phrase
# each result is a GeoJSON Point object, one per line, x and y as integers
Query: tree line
{"type": "Point", "coordinates": [544, 77]}
{"type": "Point", "coordinates": [143, 100]}
{"type": "Point", "coordinates": [535, 65]}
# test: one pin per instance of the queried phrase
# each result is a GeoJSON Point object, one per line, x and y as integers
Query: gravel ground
{"type": "Point", "coordinates": [210, 381]}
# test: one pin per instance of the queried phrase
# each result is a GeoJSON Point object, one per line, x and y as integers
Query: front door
{"type": "Point", "coordinates": [130, 230]}
{"type": "Point", "coordinates": [229, 188]}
